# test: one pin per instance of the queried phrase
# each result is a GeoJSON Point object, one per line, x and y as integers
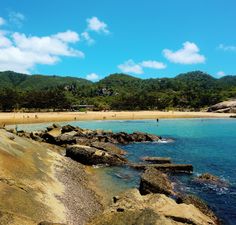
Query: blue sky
{"type": "Point", "coordinates": [94, 38]}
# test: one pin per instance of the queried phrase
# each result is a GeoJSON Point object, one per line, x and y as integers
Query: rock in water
{"type": "Point", "coordinates": [93, 156]}
{"type": "Point", "coordinates": [154, 181]}
{"type": "Point", "coordinates": [108, 147]}
{"type": "Point", "coordinates": [157, 160]}
{"type": "Point", "coordinates": [198, 203]}
{"type": "Point", "coordinates": [211, 179]}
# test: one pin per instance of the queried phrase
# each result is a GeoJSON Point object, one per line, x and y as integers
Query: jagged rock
{"type": "Point", "coordinates": [154, 181]}
{"type": "Point", "coordinates": [198, 203]}
{"type": "Point", "coordinates": [93, 156]}
{"type": "Point", "coordinates": [51, 136]}
{"type": "Point", "coordinates": [154, 209]}
{"type": "Point", "coordinates": [108, 147]}
{"type": "Point", "coordinates": [210, 179]}
{"type": "Point", "coordinates": [226, 107]}
{"type": "Point", "coordinates": [67, 128]}
{"type": "Point", "coordinates": [157, 160]}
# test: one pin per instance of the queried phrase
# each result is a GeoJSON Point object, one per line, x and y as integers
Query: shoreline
{"type": "Point", "coordinates": [42, 117]}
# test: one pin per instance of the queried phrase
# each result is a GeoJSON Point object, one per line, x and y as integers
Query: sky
{"type": "Point", "coordinates": [94, 38]}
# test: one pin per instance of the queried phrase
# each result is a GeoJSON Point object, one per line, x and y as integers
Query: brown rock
{"type": "Point", "coordinates": [154, 181]}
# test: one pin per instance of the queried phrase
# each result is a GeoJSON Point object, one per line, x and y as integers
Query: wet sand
{"type": "Point", "coordinates": [27, 118]}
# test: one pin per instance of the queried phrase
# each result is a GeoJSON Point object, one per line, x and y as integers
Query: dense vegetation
{"type": "Point", "coordinates": [190, 91]}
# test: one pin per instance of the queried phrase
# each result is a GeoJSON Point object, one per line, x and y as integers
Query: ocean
{"type": "Point", "coordinates": [208, 144]}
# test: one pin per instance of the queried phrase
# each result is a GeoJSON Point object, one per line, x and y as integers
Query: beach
{"type": "Point", "coordinates": [41, 117]}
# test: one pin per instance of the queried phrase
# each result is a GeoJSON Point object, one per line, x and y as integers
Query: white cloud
{"type": "Point", "coordinates": [220, 74]}
{"type": "Point", "coordinates": [16, 18]}
{"type": "Point", "coordinates": [94, 24]}
{"type": "Point", "coordinates": [153, 64]}
{"type": "Point", "coordinates": [131, 67]}
{"type": "Point", "coordinates": [22, 53]}
{"type": "Point", "coordinates": [86, 37]}
{"type": "Point", "coordinates": [68, 36]}
{"type": "Point", "coordinates": [189, 54]}
{"type": "Point", "coordinates": [231, 48]}
{"type": "Point", "coordinates": [92, 77]}
{"type": "Point", "coordinates": [2, 21]}
{"type": "Point", "coordinates": [4, 41]}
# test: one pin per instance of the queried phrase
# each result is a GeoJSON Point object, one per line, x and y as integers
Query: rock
{"type": "Point", "coordinates": [35, 135]}
{"type": "Point", "coordinates": [55, 125]}
{"type": "Point", "coordinates": [157, 160]}
{"type": "Point", "coordinates": [67, 128]}
{"type": "Point", "coordinates": [154, 181]}
{"type": "Point", "coordinates": [92, 156]}
{"type": "Point", "coordinates": [131, 208]}
{"type": "Point", "coordinates": [172, 168]}
{"type": "Point", "coordinates": [198, 203]}
{"type": "Point", "coordinates": [108, 147]}
{"type": "Point", "coordinates": [211, 179]}
{"type": "Point", "coordinates": [233, 116]}
{"type": "Point", "coordinates": [50, 223]}
{"type": "Point", "coordinates": [226, 106]}
{"type": "Point", "coordinates": [68, 138]}
{"type": "Point", "coordinates": [51, 136]}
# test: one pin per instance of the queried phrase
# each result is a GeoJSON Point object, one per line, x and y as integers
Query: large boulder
{"type": "Point", "coordinates": [224, 107]}
{"type": "Point", "coordinates": [154, 181]}
{"type": "Point", "coordinates": [108, 147]}
{"type": "Point", "coordinates": [92, 156]}
{"type": "Point", "coordinates": [154, 209]}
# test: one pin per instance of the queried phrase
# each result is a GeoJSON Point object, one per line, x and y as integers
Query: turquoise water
{"type": "Point", "coordinates": [208, 144]}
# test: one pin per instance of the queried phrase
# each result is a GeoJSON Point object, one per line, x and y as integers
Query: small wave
{"type": "Point", "coordinates": [165, 140]}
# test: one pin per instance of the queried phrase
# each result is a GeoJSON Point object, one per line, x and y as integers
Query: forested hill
{"type": "Point", "coordinates": [191, 91]}
{"type": "Point", "coordinates": [11, 79]}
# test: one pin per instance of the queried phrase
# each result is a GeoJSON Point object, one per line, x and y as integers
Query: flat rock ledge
{"type": "Point", "coordinates": [154, 209]}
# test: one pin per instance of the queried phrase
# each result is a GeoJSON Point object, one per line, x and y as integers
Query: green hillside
{"type": "Point", "coordinates": [190, 91]}
{"type": "Point", "coordinates": [22, 81]}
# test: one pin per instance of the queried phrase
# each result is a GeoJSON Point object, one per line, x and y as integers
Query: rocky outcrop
{"type": "Point", "coordinates": [154, 181]}
{"type": "Point", "coordinates": [34, 182]}
{"type": "Point", "coordinates": [76, 135]}
{"type": "Point", "coordinates": [92, 156]}
{"type": "Point", "coordinates": [171, 168]}
{"type": "Point", "coordinates": [208, 178]}
{"type": "Point", "coordinates": [154, 209]}
{"type": "Point", "coordinates": [198, 203]}
{"type": "Point", "coordinates": [224, 107]}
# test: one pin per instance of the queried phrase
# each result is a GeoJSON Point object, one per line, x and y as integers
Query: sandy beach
{"type": "Point", "coordinates": [40, 117]}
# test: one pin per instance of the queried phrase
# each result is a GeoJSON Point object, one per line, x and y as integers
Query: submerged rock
{"type": "Point", "coordinates": [154, 181]}
{"type": "Point", "coordinates": [92, 156]}
{"type": "Point", "coordinates": [168, 167]}
{"type": "Point", "coordinates": [157, 160]}
{"type": "Point", "coordinates": [210, 179]}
